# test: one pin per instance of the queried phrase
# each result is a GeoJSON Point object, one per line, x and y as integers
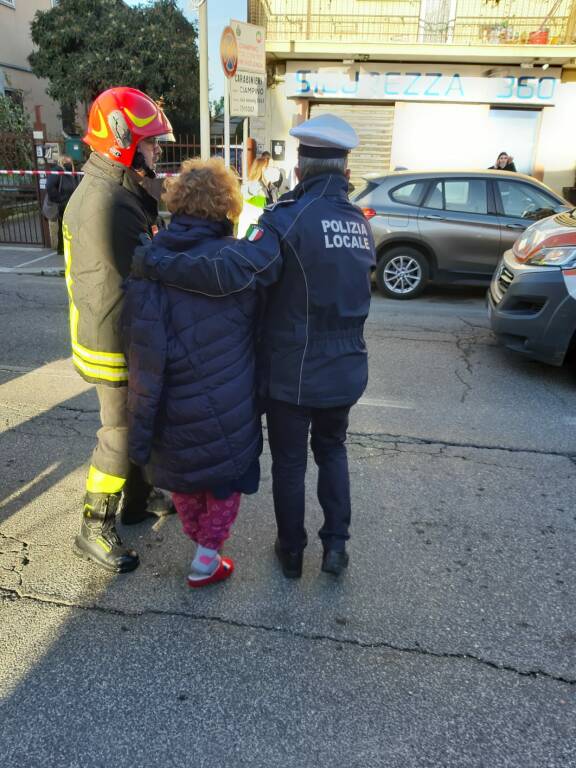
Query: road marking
{"type": "Point", "coordinates": [29, 249]}
{"type": "Point", "coordinates": [33, 261]}
{"type": "Point", "coordinates": [380, 402]}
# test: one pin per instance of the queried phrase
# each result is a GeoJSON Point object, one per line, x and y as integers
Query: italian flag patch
{"type": "Point", "coordinates": [254, 233]}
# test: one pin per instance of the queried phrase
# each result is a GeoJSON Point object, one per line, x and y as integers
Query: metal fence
{"type": "Point", "coordinates": [185, 147]}
{"type": "Point", "coordinates": [456, 22]}
{"type": "Point", "coordinates": [21, 220]}
{"type": "Point", "coordinates": [20, 215]}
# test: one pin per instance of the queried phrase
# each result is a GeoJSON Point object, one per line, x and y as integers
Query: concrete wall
{"type": "Point", "coordinates": [15, 47]}
{"type": "Point", "coordinates": [557, 149]}
{"type": "Point", "coordinates": [281, 115]}
{"type": "Point", "coordinates": [455, 135]}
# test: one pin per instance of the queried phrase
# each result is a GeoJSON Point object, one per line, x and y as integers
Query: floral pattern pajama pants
{"type": "Point", "coordinates": [205, 519]}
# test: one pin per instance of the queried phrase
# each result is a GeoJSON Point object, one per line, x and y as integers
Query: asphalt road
{"type": "Point", "coordinates": [450, 642]}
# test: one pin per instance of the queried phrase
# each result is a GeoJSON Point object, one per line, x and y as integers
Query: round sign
{"type": "Point", "coordinates": [229, 52]}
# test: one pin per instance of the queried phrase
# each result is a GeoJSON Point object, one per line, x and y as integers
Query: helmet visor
{"type": "Point", "coordinates": [165, 137]}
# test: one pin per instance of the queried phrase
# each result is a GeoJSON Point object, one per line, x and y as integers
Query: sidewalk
{"type": "Point", "coordinates": [30, 260]}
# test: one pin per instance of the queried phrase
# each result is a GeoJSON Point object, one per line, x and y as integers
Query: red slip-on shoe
{"type": "Point", "coordinates": [224, 570]}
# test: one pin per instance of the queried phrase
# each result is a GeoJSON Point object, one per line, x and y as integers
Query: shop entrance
{"type": "Point", "coordinates": [515, 131]}
{"type": "Point", "coordinates": [374, 124]}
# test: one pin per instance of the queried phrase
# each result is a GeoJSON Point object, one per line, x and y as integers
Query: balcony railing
{"type": "Point", "coordinates": [452, 22]}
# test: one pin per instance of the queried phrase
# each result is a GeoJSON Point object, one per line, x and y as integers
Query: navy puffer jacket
{"type": "Point", "coordinates": [193, 418]}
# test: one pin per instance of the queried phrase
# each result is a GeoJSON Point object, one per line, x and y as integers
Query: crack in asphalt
{"type": "Point", "coordinates": [475, 339]}
{"type": "Point", "coordinates": [384, 439]}
{"type": "Point", "coordinates": [21, 555]}
{"type": "Point", "coordinates": [11, 595]}
{"type": "Point", "coordinates": [464, 347]}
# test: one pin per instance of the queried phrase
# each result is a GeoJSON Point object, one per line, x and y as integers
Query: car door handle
{"type": "Point", "coordinates": [433, 216]}
{"type": "Point", "coordinates": [515, 226]}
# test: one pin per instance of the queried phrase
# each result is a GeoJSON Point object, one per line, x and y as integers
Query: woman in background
{"type": "Point", "coordinates": [59, 190]}
{"type": "Point", "coordinates": [255, 195]}
{"type": "Point", "coordinates": [504, 162]}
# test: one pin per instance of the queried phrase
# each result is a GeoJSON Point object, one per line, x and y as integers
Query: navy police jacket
{"type": "Point", "coordinates": [192, 412]}
{"type": "Point", "coordinates": [313, 251]}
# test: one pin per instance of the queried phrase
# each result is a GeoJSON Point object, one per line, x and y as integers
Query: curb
{"type": "Point", "coordinates": [46, 272]}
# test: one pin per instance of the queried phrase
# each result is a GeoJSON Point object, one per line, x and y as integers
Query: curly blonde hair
{"type": "Point", "coordinates": [206, 189]}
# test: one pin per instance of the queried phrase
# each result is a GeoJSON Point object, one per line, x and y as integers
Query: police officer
{"type": "Point", "coordinates": [102, 224]}
{"type": "Point", "coordinates": [313, 251]}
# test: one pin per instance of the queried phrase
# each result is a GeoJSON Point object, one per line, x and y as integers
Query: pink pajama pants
{"type": "Point", "coordinates": [205, 519]}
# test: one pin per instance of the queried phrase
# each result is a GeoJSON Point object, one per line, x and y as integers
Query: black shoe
{"type": "Point", "coordinates": [334, 561]}
{"type": "Point", "coordinates": [137, 509]}
{"type": "Point", "coordinates": [141, 501]}
{"type": "Point", "coordinates": [291, 562]}
{"type": "Point", "coordinates": [98, 539]}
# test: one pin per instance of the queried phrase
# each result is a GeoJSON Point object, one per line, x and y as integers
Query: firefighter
{"type": "Point", "coordinates": [102, 224]}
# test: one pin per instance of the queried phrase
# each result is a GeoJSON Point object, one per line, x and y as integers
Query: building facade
{"type": "Point", "coordinates": [16, 77]}
{"type": "Point", "coordinates": [426, 83]}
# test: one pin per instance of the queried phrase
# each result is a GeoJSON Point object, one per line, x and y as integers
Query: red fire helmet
{"type": "Point", "coordinates": [120, 118]}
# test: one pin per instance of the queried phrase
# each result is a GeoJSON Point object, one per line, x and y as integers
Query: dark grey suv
{"type": "Point", "coordinates": [448, 226]}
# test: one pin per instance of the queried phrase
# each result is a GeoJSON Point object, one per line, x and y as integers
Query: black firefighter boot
{"type": "Point", "coordinates": [140, 500]}
{"type": "Point", "coordinates": [98, 540]}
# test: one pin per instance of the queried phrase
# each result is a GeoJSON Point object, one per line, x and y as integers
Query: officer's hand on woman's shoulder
{"type": "Point", "coordinates": [140, 258]}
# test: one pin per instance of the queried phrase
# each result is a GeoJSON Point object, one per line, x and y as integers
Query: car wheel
{"type": "Point", "coordinates": [402, 273]}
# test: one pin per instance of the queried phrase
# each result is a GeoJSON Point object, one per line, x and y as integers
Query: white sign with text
{"type": "Point", "coordinates": [248, 94]}
{"type": "Point", "coordinates": [422, 82]}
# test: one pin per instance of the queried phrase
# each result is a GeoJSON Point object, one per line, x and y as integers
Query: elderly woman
{"type": "Point", "coordinates": [193, 419]}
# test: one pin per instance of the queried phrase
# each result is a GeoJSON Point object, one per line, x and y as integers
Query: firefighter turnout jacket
{"type": "Point", "coordinates": [102, 225]}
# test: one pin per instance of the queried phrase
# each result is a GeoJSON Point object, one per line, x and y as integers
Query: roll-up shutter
{"type": "Point", "coordinates": [373, 123]}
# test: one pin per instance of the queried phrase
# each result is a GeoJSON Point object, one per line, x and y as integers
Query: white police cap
{"type": "Point", "coordinates": [325, 136]}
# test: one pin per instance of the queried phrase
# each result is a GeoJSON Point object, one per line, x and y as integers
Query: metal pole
{"type": "Point", "coordinates": [227, 122]}
{"type": "Point", "coordinates": [204, 107]}
{"type": "Point", "coordinates": [245, 150]}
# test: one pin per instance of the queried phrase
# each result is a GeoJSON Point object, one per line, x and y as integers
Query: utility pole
{"type": "Point", "coordinates": [227, 123]}
{"type": "Point", "coordinates": [204, 106]}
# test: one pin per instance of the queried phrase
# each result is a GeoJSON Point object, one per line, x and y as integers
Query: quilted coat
{"type": "Point", "coordinates": [193, 416]}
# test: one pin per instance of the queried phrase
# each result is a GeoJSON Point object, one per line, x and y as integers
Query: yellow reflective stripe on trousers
{"type": "Point", "coordinates": [100, 482]}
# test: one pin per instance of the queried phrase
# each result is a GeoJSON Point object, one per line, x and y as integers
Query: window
{"type": "Point", "coordinates": [409, 194]}
{"type": "Point", "coordinates": [9, 3]}
{"type": "Point", "coordinates": [461, 195]}
{"type": "Point", "coordinates": [526, 202]}
{"type": "Point", "coordinates": [436, 197]}
{"type": "Point", "coordinates": [363, 192]}
{"type": "Point", "coordinates": [15, 95]}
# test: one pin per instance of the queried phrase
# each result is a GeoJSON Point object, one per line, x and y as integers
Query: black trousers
{"type": "Point", "coordinates": [288, 429]}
